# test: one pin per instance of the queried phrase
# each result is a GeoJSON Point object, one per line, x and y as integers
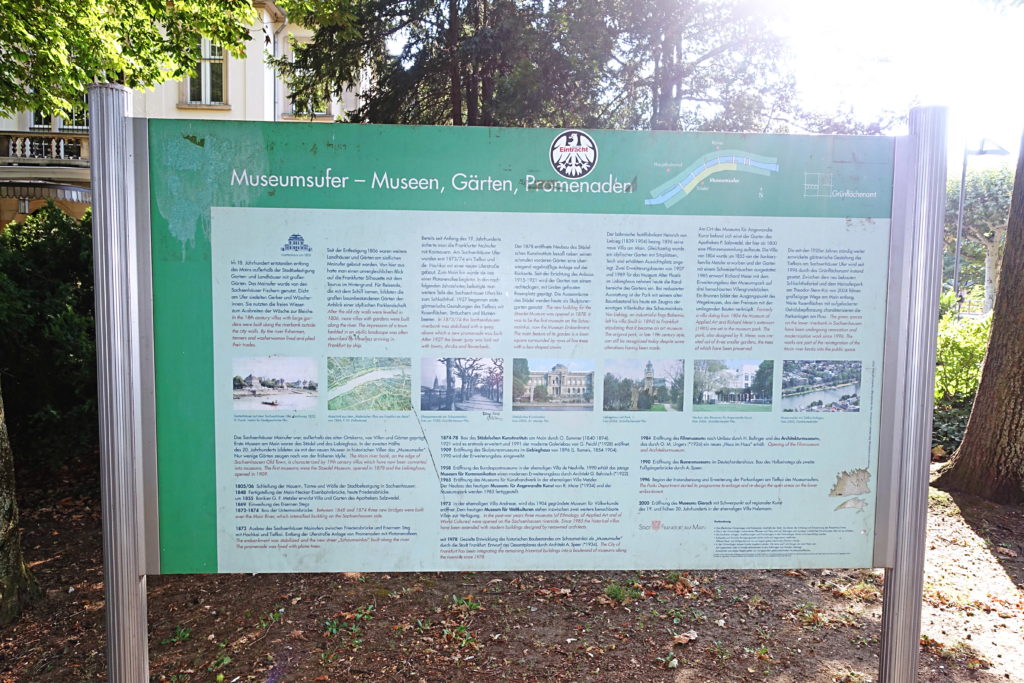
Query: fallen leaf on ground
{"type": "Point", "coordinates": [684, 638]}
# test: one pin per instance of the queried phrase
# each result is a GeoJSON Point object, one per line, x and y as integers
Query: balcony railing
{"type": "Point", "coordinates": [44, 149]}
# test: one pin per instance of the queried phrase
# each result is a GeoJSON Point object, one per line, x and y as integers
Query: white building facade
{"type": "Point", "coordinates": [47, 158]}
{"type": "Point", "coordinates": [563, 384]}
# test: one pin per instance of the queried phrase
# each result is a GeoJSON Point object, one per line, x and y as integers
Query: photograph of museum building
{"type": "Point", "coordinates": [732, 385]}
{"type": "Point", "coordinates": [562, 384]}
{"type": "Point", "coordinates": [568, 384]}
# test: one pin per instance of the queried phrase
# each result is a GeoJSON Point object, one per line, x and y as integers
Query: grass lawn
{"type": "Point", "coordinates": [657, 408]}
{"type": "Point", "coordinates": [733, 408]}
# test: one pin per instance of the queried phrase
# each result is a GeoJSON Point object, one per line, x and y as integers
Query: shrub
{"type": "Point", "coordinates": [949, 422]}
{"type": "Point", "coordinates": [959, 353]}
{"type": "Point", "coordinates": [47, 346]}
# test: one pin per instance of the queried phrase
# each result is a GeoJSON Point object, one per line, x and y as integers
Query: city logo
{"type": "Point", "coordinates": [656, 524]}
{"type": "Point", "coordinates": [573, 154]}
{"type": "Point", "coordinates": [296, 245]}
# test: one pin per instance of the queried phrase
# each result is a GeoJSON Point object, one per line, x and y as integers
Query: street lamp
{"type": "Point", "coordinates": [993, 148]}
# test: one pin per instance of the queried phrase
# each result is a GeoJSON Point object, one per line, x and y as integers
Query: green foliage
{"type": "Point", "coordinates": [520, 376]}
{"type": "Point", "coordinates": [678, 389]}
{"type": "Point", "coordinates": [959, 354]}
{"type": "Point", "coordinates": [181, 634]}
{"type": "Point", "coordinates": [465, 604]}
{"type": "Point", "coordinates": [986, 203]}
{"type": "Point", "coordinates": [706, 378]}
{"type": "Point", "coordinates": [947, 303]}
{"type": "Point", "coordinates": [643, 401]}
{"type": "Point", "coordinates": [621, 593]}
{"type": "Point", "coordinates": [949, 421]}
{"type": "Point", "coordinates": [986, 211]}
{"type": "Point", "coordinates": [47, 348]}
{"type": "Point", "coordinates": [50, 51]}
{"type": "Point", "coordinates": [762, 383]}
{"type": "Point", "coordinates": [707, 64]}
{"type": "Point", "coordinates": [618, 393]}
{"type": "Point", "coordinates": [498, 62]}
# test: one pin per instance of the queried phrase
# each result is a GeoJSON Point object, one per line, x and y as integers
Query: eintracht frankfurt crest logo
{"type": "Point", "coordinates": [573, 154]}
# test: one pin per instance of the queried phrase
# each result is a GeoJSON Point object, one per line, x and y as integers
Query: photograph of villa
{"type": "Point", "coordinates": [462, 383]}
{"type": "Point", "coordinates": [732, 385]}
{"type": "Point", "coordinates": [552, 384]}
{"type": "Point", "coordinates": [821, 386]}
{"type": "Point", "coordinates": [643, 385]}
{"type": "Point", "coordinates": [274, 383]}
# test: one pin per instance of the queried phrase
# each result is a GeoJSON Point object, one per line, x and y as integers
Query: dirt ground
{"type": "Point", "coordinates": [811, 625]}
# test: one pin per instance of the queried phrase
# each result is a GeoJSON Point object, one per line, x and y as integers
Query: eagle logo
{"type": "Point", "coordinates": [573, 154]}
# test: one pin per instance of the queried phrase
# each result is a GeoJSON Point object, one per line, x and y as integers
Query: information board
{"type": "Point", "coordinates": [409, 348]}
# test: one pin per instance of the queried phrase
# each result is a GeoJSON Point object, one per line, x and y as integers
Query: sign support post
{"type": "Point", "coordinates": [901, 608]}
{"type": "Point", "coordinates": [119, 380]}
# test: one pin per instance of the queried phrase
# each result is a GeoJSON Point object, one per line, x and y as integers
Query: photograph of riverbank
{"type": "Point", "coordinates": [821, 386]}
{"type": "Point", "coordinates": [274, 383]}
{"type": "Point", "coordinates": [369, 383]}
{"type": "Point", "coordinates": [552, 384]}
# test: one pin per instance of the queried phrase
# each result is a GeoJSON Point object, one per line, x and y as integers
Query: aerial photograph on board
{"type": "Point", "coordinates": [369, 383]}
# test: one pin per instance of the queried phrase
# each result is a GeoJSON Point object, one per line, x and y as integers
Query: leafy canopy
{"type": "Point", "coordinates": [666, 64]}
{"type": "Point", "coordinates": [50, 51]}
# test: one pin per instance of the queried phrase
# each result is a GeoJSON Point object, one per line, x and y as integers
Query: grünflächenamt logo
{"type": "Point", "coordinates": [573, 154]}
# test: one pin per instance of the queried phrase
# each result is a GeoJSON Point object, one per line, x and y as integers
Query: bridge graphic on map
{"type": "Point", "coordinates": [719, 161]}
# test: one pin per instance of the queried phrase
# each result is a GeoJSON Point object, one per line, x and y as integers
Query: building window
{"type": "Point", "coordinates": [206, 86]}
{"type": "Point", "coordinates": [320, 105]}
{"type": "Point", "coordinates": [41, 121]}
{"type": "Point", "coordinates": [78, 117]}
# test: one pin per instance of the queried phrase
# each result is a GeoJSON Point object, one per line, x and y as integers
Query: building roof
{"type": "Point", "coordinates": [44, 189]}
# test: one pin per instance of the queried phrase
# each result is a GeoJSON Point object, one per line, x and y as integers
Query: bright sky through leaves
{"type": "Point", "coordinates": [877, 55]}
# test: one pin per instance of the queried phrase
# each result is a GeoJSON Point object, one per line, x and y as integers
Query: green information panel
{"type": "Point", "coordinates": [408, 348]}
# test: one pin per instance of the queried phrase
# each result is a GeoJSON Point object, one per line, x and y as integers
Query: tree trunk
{"type": "Point", "coordinates": [487, 95]}
{"type": "Point", "coordinates": [990, 460]}
{"type": "Point", "coordinates": [454, 67]}
{"type": "Point", "coordinates": [666, 95]}
{"type": "Point", "coordinates": [992, 267]}
{"type": "Point", "coordinates": [449, 385]}
{"type": "Point", "coordinates": [473, 71]}
{"type": "Point", "coordinates": [16, 583]}
{"type": "Point", "coordinates": [472, 96]}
